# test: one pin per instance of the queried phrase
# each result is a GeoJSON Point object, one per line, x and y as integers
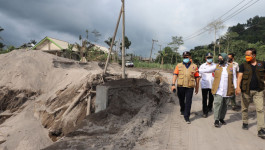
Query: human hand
{"type": "Point", "coordinates": [238, 91]}
{"type": "Point", "coordinates": [173, 89]}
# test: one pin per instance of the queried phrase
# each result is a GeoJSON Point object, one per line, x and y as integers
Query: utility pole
{"type": "Point", "coordinates": [153, 41]}
{"type": "Point", "coordinates": [112, 42]}
{"type": "Point", "coordinates": [123, 40]}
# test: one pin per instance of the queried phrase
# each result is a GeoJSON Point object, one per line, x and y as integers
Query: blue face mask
{"type": "Point", "coordinates": [209, 60]}
{"type": "Point", "coordinates": [186, 60]}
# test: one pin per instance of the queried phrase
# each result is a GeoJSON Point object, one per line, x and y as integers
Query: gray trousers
{"type": "Point", "coordinates": [220, 106]}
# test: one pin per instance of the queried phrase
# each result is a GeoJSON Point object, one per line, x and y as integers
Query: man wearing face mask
{"type": "Point", "coordinates": [206, 84]}
{"type": "Point", "coordinates": [236, 67]}
{"type": "Point", "coordinates": [251, 83]}
{"type": "Point", "coordinates": [223, 87]}
{"type": "Point", "coordinates": [187, 77]}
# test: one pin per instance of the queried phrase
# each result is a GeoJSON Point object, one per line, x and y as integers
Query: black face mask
{"type": "Point", "coordinates": [230, 60]}
{"type": "Point", "coordinates": [221, 61]}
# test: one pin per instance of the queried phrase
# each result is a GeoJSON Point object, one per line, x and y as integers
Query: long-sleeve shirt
{"type": "Point", "coordinates": [206, 78]}
{"type": "Point", "coordinates": [223, 85]}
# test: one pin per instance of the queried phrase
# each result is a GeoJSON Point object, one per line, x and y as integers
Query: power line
{"type": "Point", "coordinates": [227, 18]}
{"type": "Point", "coordinates": [202, 29]}
{"type": "Point", "coordinates": [224, 20]}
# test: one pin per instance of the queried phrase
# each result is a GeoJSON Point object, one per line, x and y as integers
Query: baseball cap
{"type": "Point", "coordinates": [209, 55]}
{"type": "Point", "coordinates": [186, 53]}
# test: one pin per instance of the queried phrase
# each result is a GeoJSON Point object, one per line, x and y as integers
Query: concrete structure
{"type": "Point", "coordinates": [105, 90]}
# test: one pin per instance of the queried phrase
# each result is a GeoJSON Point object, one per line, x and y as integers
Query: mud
{"type": "Point", "coordinates": [129, 113]}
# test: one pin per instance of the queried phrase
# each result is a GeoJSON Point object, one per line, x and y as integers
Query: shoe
{"type": "Point", "coordinates": [261, 133]}
{"type": "Point", "coordinates": [187, 121]}
{"type": "Point", "coordinates": [182, 113]}
{"type": "Point", "coordinates": [245, 126]}
{"type": "Point", "coordinates": [205, 115]}
{"type": "Point", "coordinates": [234, 108]}
{"type": "Point", "coordinates": [216, 124]}
{"type": "Point", "coordinates": [222, 122]}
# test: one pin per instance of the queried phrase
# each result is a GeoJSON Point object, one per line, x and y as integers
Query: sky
{"type": "Point", "coordinates": [25, 20]}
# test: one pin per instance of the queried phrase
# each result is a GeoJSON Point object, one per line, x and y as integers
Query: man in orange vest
{"type": "Point", "coordinates": [186, 74]}
{"type": "Point", "coordinates": [251, 83]}
{"type": "Point", "coordinates": [223, 87]}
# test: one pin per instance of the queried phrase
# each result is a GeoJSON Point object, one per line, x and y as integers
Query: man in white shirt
{"type": "Point", "coordinates": [223, 87]}
{"type": "Point", "coordinates": [236, 67]}
{"type": "Point", "coordinates": [206, 84]}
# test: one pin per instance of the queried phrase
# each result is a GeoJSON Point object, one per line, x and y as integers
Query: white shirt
{"type": "Point", "coordinates": [235, 65]}
{"type": "Point", "coordinates": [223, 85]}
{"type": "Point", "coordinates": [206, 78]}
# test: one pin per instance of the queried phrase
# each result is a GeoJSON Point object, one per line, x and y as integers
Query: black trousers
{"type": "Point", "coordinates": [185, 100]}
{"type": "Point", "coordinates": [206, 107]}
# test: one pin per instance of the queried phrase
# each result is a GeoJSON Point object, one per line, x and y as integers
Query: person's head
{"type": "Point", "coordinates": [231, 57]}
{"type": "Point", "coordinates": [186, 57]}
{"type": "Point", "coordinates": [222, 58]}
{"type": "Point", "coordinates": [250, 54]}
{"type": "Point", "coordinates": [209, 58]}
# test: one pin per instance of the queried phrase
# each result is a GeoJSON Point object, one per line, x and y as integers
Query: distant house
{"type": "Point", "coordinates": [146, 59]}
{"type": "Point", "coordinates": [52, 45]}
{"type": "Point", "coordinates": [59, 47]}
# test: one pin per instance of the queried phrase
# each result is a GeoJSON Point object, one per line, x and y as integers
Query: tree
{"type": "Point", "coordinates": [69, 50]}
{"type": "Point", "coordinates": [1, 29]}
{"type": "Point", "coordinates": [86, 34]}
{"type": "Point", "coordinates": [215, 27]}
{"type": "Point", "coordinates": [229, 37]}
{"type": "Point", "coordinates": [96, 34]}
{"type": "Point", "coordinates": [108, 42]}
{"type": "Point", "coordinates": [175, 44]}
{"type": "Point", "coordinates": [127, 43]}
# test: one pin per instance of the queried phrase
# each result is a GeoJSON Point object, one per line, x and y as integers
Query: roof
{"type": "Point", "coordinates": [59, 43]}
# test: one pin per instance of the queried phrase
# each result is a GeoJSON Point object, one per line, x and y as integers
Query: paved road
{"type": "Point", "coordinates": [170, 132]}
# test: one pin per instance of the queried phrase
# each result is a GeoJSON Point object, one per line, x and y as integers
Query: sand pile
{"type": "Point", "coordinates": [44, 97]}
{"type": "Point", "coordinates": [46, 89]}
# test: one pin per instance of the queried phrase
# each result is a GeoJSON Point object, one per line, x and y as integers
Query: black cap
{"type": "Point", "coordinates": [209, 55]}
{"type": "Point", "coordinates": [186, 53]}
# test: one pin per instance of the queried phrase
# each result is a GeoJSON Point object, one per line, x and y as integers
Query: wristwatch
{"type": "Point", "coordinates": [173, 84]}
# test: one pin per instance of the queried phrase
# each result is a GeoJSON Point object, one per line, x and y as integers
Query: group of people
{"type": "Point", "coordinates": [220, 83]}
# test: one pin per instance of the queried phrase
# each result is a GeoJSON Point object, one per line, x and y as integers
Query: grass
{"type": "Point", "coordinates": [139, 64]}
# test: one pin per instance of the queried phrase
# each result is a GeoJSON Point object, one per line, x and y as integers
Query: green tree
{"type": "Point", "coordinates": [175, 44]}
{"type": "Point", "coordinates": [127, 43]}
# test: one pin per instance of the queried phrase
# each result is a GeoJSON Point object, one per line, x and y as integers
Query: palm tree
{"type": "Point", "coordinates": [1, 29]}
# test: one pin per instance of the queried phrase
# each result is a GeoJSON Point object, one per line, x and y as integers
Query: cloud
{"type": "Point", "coordinates": [24, 20]}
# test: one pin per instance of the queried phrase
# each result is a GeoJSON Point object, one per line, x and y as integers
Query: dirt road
{"type": "Point", "coordinates": [170, 132]}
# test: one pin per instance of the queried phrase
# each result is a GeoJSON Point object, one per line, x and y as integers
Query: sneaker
{"type": "Point", "coordinates": [182, 113]}
{"type": "Point", "coordinates": [187, 121]}
{"type": "Point", "coordinates": [245, 126]}
{"type": "Point", "coordinates": [233, 107]}
{"type": "Point", "coordinates": [216, 124]}
{"type": "Point", "coordinates": [205, 115]}
{"type": "Point", "coordinates": [222, 122]}
{"type": "Point", "coordinates": [261, 133]}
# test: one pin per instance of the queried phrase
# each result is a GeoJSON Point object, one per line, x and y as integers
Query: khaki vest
{"type": "Point", "coordinates": [217, 79]}
{"type": "Point", "coordinates": [247, 76]}
{"type": "Point", "coordinates": [186, 75]}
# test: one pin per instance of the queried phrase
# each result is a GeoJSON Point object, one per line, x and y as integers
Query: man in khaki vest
{"type": "Point", "coordinates": [223, 87]}
{"type": "Point", "coordinates": [251, 83]}
{"type": "Point", "coordinates": [187, 75]}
